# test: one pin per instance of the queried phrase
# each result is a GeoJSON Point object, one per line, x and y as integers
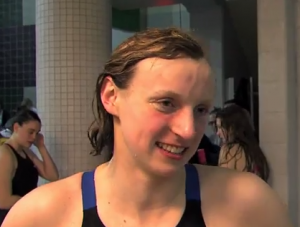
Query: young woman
{"type": "Point", "coordinates": [153, 100]}
{"type": "Point", "coordinates": [20, 167]}
{"type": "Point", "coordinates": [240, 150]}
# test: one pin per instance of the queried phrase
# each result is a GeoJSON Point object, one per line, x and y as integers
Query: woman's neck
{"type": "Point", "coordinates": [137, 190]}
{"type": "Point", "coordinates": [14, 144]}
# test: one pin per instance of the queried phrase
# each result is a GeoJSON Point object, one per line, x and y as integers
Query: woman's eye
{"type": "Point", "coordinates": [166, 103]}
{"type": "Point", "coordinates": [203, 111]}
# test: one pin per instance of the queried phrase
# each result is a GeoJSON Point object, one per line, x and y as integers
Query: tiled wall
{"type": "Point", "coordinates": [68, 64]}
{"type": "Point", "coordinates": [17, 63]}
{"type": "Point", "coordinates": [17, 53]}
{"type": "Point", "coordinates": [17, 46]}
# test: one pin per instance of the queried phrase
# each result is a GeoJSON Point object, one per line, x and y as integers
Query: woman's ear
{"type": "Point", "coordinates": [15, 127]}
{"type": "Point", "coordinates": [108, 95]}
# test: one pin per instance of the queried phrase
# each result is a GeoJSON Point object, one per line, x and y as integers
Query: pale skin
{"type": "Point", "coordinates": [142, 188]}
{"type": "Point", "coordinates": [8, 161]}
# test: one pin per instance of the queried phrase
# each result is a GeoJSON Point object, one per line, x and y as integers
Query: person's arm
{"type": "Point", "coordinates": [46, 167]}
{"type": "Point", "coordinates": [257, 204]}
{"type": "Point", "coordinates": [52, 205]}
{"type": "Point", "coordinates": [7, 199]}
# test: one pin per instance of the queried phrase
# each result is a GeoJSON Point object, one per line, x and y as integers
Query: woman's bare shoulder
{"type": "Point", "coordinates": [7, 156]}
{"type": "Point", "coordinates": [232, 149]}
{"type": "Point", "coordinates": [4, 149]}
{"type": "Point", "coordinates": [48, 205]}
{"type": "Point", "coordinates": [236, 192]}
{"type": "Point", "coordinates": [231, 152]}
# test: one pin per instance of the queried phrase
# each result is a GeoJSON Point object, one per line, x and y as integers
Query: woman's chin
{"type": "Point", "coordinates": [27, 145]}
{"type": "Point", "coordinates": [166, 169]}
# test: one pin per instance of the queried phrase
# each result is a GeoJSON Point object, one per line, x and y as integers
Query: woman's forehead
{"type": "Point", "coordinates": [181, 76]}
{"type": "Point", "coordinates": [159, 66]}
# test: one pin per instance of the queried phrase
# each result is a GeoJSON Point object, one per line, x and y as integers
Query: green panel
{"type": "Point", "coordinates": [10, 13]}
{"type": "Point", "coordinates": [128, 20]}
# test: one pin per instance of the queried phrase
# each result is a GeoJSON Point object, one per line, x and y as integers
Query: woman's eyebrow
{"type": "Point", "coordinates": [173, 94]}
{"type": "Point", "coordinates": [166, 93]}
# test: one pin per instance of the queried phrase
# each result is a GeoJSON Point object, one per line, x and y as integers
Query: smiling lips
{"type": "Point", "coordinates": [171, 148]}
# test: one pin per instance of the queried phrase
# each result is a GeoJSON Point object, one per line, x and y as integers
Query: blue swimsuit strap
{"type": "Point", "coordinates": [192, 186]}
{"type": "Point", "coordinates": [88, 190]}
{"type": "Point", "coordinates": [89, 193]}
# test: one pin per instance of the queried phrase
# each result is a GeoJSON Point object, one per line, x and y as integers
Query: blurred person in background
{"type": "Point", "coordinates": [240, 149]}
{"type": "Point", "coordinates": [207, 153]}
{"type": "Point", "coordinates": [232, 102]}
{"type": "Point", "coordinates": [214, 138]}
{"type": "Point", "coordinates": [209, 148]}
{"type": "Point", "coordinates": [20, 167]}
{"type": "Point", "coordinates": [4, 115]}
{"type": "Point", "coordinates": [7, 129]}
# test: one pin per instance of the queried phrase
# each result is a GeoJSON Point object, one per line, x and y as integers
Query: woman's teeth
{"type": "Point", "coordinates": [170, 148]}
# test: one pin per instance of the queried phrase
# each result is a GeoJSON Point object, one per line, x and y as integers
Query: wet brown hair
{"type": "Point", "coordinates": [170, 43]}
{"type": "Point", "coordinates": [235, 120]}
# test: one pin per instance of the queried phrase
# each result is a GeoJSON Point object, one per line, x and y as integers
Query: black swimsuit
{"type": "Point", "coordinates": [192, 216]}
{"type": "Point", "coordinates": [25, 178]}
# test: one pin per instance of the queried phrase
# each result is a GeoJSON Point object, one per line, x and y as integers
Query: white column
{"type": "Point", "coordinates": [73, 42]}
{"type": "Point", "coordinates": [278, 114]}
{"type": "Point", "coordinates": [296, 47]}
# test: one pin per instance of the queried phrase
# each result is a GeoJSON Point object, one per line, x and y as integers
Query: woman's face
{"type": "Point", "coordinates": [160, 118]}
{"type": "Point", "coordinates": [221, 132]}
{"type": "Point", "coordinates": [25, 134]}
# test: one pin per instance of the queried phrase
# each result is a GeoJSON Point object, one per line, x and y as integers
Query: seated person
{"type": "Point", "coordinates": [211, 152]}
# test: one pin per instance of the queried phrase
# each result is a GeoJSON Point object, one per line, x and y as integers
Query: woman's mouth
{"type": "Point", "coordinates": [171, 148]}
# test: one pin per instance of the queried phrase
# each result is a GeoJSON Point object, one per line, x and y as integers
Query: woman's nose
{"type": "Point", "coordinates": [184, 125]}
{"type": "Point", "coordinates": [33, 137]}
